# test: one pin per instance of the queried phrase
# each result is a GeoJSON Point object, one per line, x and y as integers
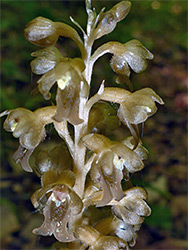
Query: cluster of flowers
{"type": "Point", "coordinates": [81, 197]}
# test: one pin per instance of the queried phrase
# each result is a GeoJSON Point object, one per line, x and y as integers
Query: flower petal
{"type": "Point", "coordinates": [76, 204]}
{"type": "Point", "coordinates": [55, 222]}
{"type": "Point", "coordinates": [68, 105]}
{"type": "Point", "coordinates": [140, 149]}
{"type": "Point", "coordinates": [46, 82]}
{"type": "Point", "coordinates": [45, 61]}
{"type": "Point", "coordinates": [96, 142]}
{"type": "Point", "coordinates": [126, 215]}
{"type": "Point", "coordinates": [135, 54]}
{"type": "Point", "coordinates": [22, 155]}
{"type": "Point", "coordinates": [133, 162]}
{"type": "Point", "coordinates": [138, 206]}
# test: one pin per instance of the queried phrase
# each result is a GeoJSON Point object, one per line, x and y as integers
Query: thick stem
{"type": "Point", "coordinates": [88, 43]}
{"type": "Point", "coordinates": [80, 169]}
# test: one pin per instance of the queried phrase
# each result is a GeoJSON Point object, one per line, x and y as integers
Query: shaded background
{"type": "Point", "coordinates": [161, 27]}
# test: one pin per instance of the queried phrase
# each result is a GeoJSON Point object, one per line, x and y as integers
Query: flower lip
{"type": "Point", "coordinates": [62, 202]}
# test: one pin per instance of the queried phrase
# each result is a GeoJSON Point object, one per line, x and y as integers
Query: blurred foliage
{"type": "Point", "coordinates": [161, 26]}
{"type": "Point", "coordinates": [161, 217]}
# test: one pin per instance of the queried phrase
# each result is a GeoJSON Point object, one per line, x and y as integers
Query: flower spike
{"type": "Point", "coordinates": [82, 197]}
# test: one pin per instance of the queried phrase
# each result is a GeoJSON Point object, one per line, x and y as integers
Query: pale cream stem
{"type": "Point", "coordinates": [80, 169]}
{"type": "Point", "coordinates": [81, 174]}
{"type": "Point", "coordinates": [79, 160]}
{"type": "Point", "coordinates": [94, 99]}
{"type": "Point", "coordinates": [88, 43]}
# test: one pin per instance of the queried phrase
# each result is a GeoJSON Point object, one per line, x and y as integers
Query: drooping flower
{"type": "Point", "coordinates": [59, 204]}
{"type": "Point", "coordinates": [134, 107]}
{"type": "Point", "coordinates": [113, 160]}
{"type": "Point", "coordinates": [125, 56]}
{"type": "Point", "coordinates": [43, 32]}
{"type": "Point", "coordinates": [132, 54]}
{"type": "Point", "coordinates": [29, 127]}
{"type": "Point", "coordinates": [68, 75]}
{"type": "Point", "coordinates": [132, 208]}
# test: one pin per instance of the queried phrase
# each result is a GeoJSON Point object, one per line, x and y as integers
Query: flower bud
{"type": "Point", "coordinates": [109, 19]}
{"type": "Point", "coordinates": [41, 31]}
{"type": "Point", "coordinates": [121, 10]}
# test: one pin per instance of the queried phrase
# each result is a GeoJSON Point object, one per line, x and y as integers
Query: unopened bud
{"type": "Point", "coordinates": [109, 19]}
{"type": "Point", "coordinates": [41, 31]}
